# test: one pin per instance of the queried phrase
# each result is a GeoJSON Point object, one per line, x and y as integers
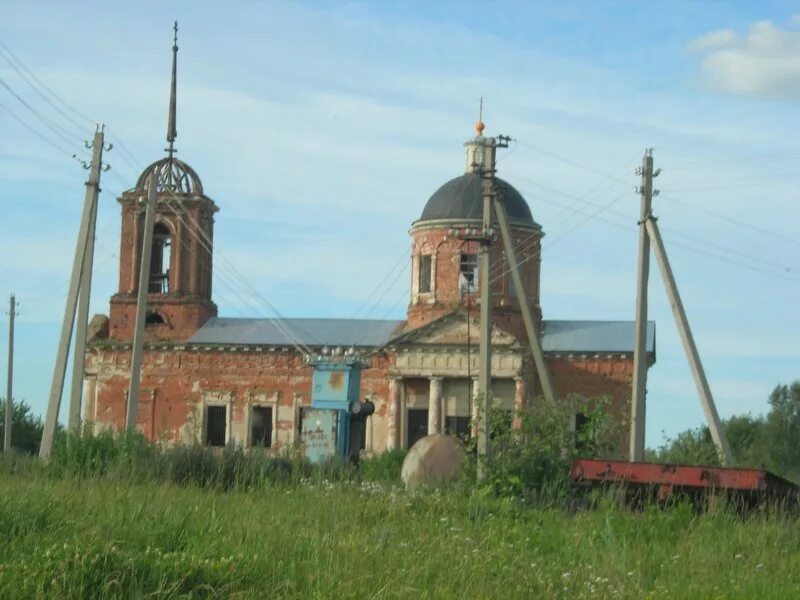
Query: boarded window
{"type": "Point", "coordinates": [216, 425]}
{"type": "Point", "coordinates": [425, 273]}
{"type": "Point", "coordinates": [458, 427]}
{"type": "Point", "coordinates": [468, 273]}
{"type": "Point", "coordinates": [261, 426]}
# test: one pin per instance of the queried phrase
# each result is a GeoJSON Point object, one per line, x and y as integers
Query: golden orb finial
{"type": "Point", "coordinates": [479, 127]}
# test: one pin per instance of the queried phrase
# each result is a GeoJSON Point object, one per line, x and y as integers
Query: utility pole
{"type": "Point", "coordinates": [12, 312]}
{"type": "Point", "coordinates": [638, 401]}
{"type": "Point", "coordinates": [60, 368]}
{"type": "Point", "coordinates": [485, 340]}
{"type": "Point", "coordinates": [527, 318]}
{"type": "Point", "coordinates": [79, 353]}
{"type": "Point", "coordinates": [709, 408]}
{"type": "Point", "coordinates": [141, 306]}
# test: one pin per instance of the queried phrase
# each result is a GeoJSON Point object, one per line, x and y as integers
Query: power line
{"type": "Point", "coordinates": [42, 137]}
{"type": "Point", "coordinates": [752, 257]}
{"type": "Point", "coordinates": [44, 86]}
{"type": "Point", "coordinates": [733, 221]}
{"type": "Point", "coordinates": [38, 91]}
{"type": "Point", "coordinates": [389, 273]}
{"type": "Point", "coordinates": [59, 131]}
{"type": "Point", "coordinates": [706, 211]}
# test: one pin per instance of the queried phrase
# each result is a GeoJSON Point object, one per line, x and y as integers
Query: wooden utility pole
{"type": "Point", "coordinates": [79, 352]}
{"type": "Point", "coordinates": [12, 312]}
{"type": "Point", "coordinates": [638, 402]}
{"type": "Point", "coordinates": [703, 389]}
{"type": "Point", "coordinates": [60, 368]}
{"type": "Point", "coordinates": [530, 328]}
{"type": "Point", "coordinates": [141, 306]}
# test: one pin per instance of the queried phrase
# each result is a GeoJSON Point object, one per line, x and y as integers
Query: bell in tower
{"type": "Point", "coordinates": [179, 284]}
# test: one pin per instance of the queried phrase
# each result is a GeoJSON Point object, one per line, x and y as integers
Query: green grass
{"type": "Point", "coordinates": [69, 537]}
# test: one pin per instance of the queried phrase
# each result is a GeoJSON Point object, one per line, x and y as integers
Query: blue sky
{"type": "Point", "coordinates": [322, 128]}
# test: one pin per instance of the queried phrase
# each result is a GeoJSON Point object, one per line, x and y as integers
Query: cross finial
{"type": "Point", "coordinates": [172, 131]}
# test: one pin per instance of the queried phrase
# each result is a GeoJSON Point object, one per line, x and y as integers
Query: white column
{"type": "Point", "coordinates": [435, 406]}
{"type": "Point", "coordinates": [393, 417]}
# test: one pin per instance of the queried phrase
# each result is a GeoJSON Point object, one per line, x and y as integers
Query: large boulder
{"type": "Point", "coordinates": [434, 460]}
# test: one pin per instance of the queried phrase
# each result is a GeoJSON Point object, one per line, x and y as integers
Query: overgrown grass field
{"type": "Point", "coordinates": [70, 537]}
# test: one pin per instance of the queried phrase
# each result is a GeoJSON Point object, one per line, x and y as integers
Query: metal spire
{"type": "Point", "coordinates": [172, 132]}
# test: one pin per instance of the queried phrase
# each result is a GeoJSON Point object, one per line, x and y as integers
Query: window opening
{"type": "Point", "coordinates": [153, 318]}
{"type": "Point", "coordinates": [425, 273]}
{"type": "Point", "coordinates": [417, 424]}
{"type": "Point", "coordinates": [160, 260]}
{"type": "Point", "coordinates": [582, 431]}
{"type": "Point", "coordinates": [458, 426]}
{"type": "Point", "coordinates": [261, 426]}
{"type": "Point", "coordinates": [468, 273]}
{"type": "Point", "coordinates": [216, 425]}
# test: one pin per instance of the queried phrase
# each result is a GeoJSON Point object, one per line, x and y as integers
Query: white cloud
{"type": "Point", "coordinates": [712, 40]}
{"type": "Point", "coordinates": [765, 63]}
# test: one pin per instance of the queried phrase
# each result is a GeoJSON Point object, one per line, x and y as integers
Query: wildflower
{"type": "Point", "coordinates": [738, 557]}
{"type": "Point", "coordinates": [759, 566]}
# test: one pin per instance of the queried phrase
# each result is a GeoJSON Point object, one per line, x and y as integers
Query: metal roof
{"type": "Point", "coordinates": [462, 198]}
{"type": "Point", "coordinates": [593, 336]}
{"type": "Point", "coordinates": [305, 332]}
{"type": "Point", "coordinates": [558, 336]}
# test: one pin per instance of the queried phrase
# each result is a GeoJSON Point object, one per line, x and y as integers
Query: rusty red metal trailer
{"type": "Point", "coordinates": [662, 481]}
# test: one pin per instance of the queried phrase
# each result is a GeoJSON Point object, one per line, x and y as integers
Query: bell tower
{"type": "Point", "coordinates": [179, 285]}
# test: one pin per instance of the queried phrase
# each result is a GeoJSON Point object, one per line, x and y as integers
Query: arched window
{"type": "Point", "coordinates": [160, 260]}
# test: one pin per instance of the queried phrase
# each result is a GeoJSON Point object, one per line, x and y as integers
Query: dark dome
{"type": "Point", "coordinates": [173, 175]}
{"type": "Point", "coordinates": [462, 198]}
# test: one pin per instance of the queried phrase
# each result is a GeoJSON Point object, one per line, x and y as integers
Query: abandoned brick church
{"type": "Point", "coordinates": [218, 381]}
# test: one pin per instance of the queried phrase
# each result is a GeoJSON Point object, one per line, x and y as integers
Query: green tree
{"type": "Point", "coordinates": [781, 439]}
{"type": "Point", "coordinates": [26, 428]}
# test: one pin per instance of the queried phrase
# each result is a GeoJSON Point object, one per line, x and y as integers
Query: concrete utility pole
{"type": "Point", "coordinates": [12, 312]}
{"type": "Point", "coordinates": [60, 368]}
{"type": "Point", "coordinates": [485, 345]}
{"type": "Point", "coordinates": [638, 402]}
{"type": "Point", "coordinates": [79, 352]}
{"type": "Point", "coordinates": [709, 408]}
{"type": "Point", "coordinates": [141, 306]}
{"type": "Point", "coordinates": [530, 329]}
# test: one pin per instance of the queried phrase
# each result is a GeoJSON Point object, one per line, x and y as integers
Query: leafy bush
{"type": "Point", "coordinates": [26, 429]}
{"type": "Point", "coordinates": [532, 460]}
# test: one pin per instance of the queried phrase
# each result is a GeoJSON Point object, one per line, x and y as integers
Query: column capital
{"type": "Point", "coordinates": [435, 378]}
